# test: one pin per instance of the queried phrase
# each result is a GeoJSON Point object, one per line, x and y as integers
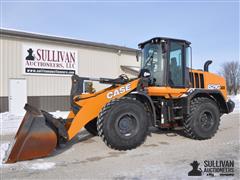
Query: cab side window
{"type": "Point", "coordinates": [176, 65]}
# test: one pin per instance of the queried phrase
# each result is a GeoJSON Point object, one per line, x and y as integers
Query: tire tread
{"type": "Point", "coordinates": [188, 130]}
{"type": "Point", "coordinates": [105, 110]}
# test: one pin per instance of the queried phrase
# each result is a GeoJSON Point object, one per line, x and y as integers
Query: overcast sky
{"type": "Point", "coordinates": [212, 27]}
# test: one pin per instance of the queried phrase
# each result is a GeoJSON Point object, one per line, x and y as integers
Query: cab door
{"type": "Point", "coordinates": [178, 72]}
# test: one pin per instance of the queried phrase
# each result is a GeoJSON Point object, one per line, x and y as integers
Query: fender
{"type": "Point", "coordinates": [214, 94]}
{"type": "Point", "coordinates": [144, 98]}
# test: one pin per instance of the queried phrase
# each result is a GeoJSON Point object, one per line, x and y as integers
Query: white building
{"type": "Point", "coordinates": [37, 68]}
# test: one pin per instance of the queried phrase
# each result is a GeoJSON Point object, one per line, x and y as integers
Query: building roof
{"type": "Point", "coordinates": [10, 32]}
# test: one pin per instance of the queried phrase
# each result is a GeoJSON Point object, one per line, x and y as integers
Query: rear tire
{"type": "Point", "coordinates": [91, 127]}
{"type": "Point", "coordinates": [203, 120]}
{"type": "Point", "coordinates": [123, 124]}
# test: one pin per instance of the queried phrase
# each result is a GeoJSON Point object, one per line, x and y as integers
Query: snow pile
{"type": "Point", "coordinates": [62, 114]}
{"type": "Point", "coordinates": [3, 149]}
{"type": "Point", "coordinates": [236, 100]}
{"type": "Point", "coordinates": [9, 123]}
{"type": "Point", "coordinates": [42, 166]}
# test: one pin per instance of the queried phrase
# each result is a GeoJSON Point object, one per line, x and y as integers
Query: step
{"type": "Point", "coordinates": [178, 117]}
{"type": "Point", "coordinates": [177, 107]}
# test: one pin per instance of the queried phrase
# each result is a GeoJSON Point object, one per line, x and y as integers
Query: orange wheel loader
{"type": "Point", "coordinates": [167, 93]}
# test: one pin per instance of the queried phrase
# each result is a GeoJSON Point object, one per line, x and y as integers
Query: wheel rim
{"type": "Point", "coordinates": [206, 120]}
{"type": "Point", "coordinates": [126, 125]}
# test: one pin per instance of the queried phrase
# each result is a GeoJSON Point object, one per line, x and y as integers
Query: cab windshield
{"type": "Point", "coordinates": [152, 59]}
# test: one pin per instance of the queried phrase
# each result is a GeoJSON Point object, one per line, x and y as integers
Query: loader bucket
{"type": "Point", "coordinates": [35, 137]}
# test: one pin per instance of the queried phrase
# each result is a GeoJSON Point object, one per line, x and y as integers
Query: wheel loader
{"type": "Point", "coordinates": [167, 93]}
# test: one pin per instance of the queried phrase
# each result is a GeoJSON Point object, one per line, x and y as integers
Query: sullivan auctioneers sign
{"type": "Point", "coordinates": [49, 60]}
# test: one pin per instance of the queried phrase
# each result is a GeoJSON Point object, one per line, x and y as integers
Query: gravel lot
{"type": "Point", "coordinates": [165, 155]}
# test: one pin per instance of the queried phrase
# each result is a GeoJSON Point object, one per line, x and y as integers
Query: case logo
{"type": "Point", "coordinates": [118, 91]}
{"type": "Point", "coordinates": [214, 86]}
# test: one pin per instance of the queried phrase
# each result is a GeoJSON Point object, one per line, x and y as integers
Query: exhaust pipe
{"type": "Point", "coordinates": [206, 64]}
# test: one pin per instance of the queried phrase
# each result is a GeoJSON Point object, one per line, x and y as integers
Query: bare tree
{"type": "Point", "coordinates": [231, 72]}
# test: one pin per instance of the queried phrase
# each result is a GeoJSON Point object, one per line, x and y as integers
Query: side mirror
{"type": "Point", "coordinates": [144, 73]}
{"type": "Point", "coordinates": [138, 55]}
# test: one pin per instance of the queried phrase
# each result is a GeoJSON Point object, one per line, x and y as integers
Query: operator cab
{"type": "Point", "coordinates": [167, 60]}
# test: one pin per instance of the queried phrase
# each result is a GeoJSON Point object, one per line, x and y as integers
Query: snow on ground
{"type": "Point", "coordinates": [42, 166]}
{"type": "Point", "coordinates": [236, 100]}
{"type": "Point", "coordinates": [3, 150]}
{"type": "Point", "coordinates": [9, 123]}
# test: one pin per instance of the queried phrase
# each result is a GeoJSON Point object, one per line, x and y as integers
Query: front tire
{"type": "Point", "coordinates": [123, 124]}
{"type": "Point", "coordinates": [203, 120]}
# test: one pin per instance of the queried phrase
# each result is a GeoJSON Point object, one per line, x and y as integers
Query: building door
{"type": "Point", "coordinates": [17, 96]}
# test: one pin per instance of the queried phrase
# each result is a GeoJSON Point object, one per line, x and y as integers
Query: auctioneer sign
{"type": "Point", "coordinates": [49, 60]}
